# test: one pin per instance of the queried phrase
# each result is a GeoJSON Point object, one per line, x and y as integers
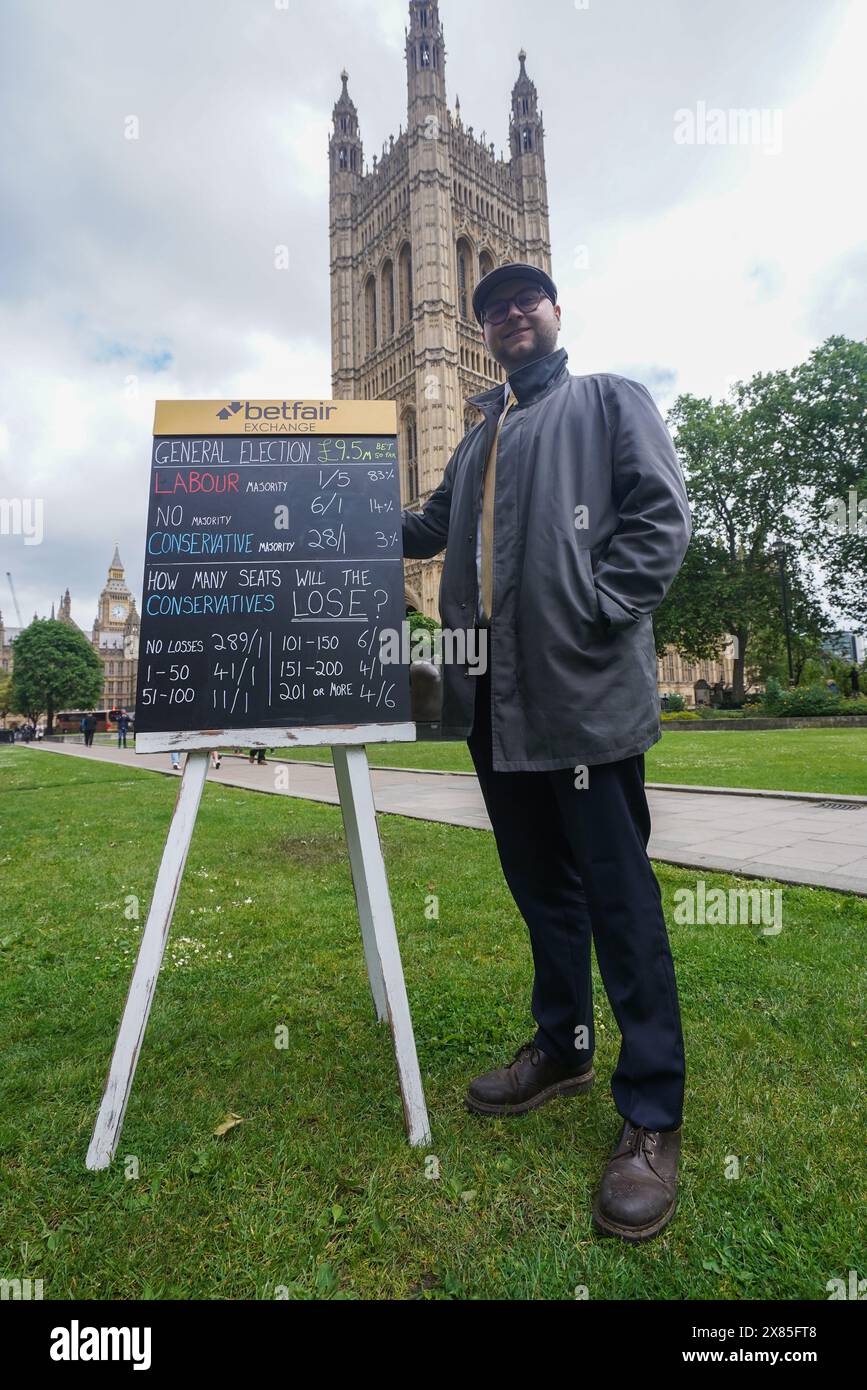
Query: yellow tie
{"type": "Point", "coordinates": [488, 517]}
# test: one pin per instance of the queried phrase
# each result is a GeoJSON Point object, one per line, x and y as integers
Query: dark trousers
{"type": "Point", "coordinates": [88, 737]}
{"type": "Point", "coordinates": [576, 865]}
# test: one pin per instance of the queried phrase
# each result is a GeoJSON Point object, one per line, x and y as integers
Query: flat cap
{"type": "Point", "coordinates": [517, 271]}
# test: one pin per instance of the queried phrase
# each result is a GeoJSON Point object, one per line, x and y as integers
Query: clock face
{"type": "Point", "coordinates": [118, 610]}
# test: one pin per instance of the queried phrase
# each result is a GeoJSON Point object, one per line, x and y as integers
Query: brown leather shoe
{"type": "Point", "coordinates": [638, 1193]}
{"type": "Point", "coordinates": [530, 1079]}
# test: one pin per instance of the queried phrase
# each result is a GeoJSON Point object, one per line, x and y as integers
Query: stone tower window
{"type": "Point", "coordinates": [370, 314]}
{"type": "Point", "coordinates": [464, 278]}
{"type": "Point", "coordinates": [526, 138]}
{"type": "Point", "coordinates": [405, 278]}
{"type": "Point", "coordinates": [343, 162]}
{"type": "Point", "coordinates": [411, 457]}
{"type": "Point", "coordinates": [388, 300]}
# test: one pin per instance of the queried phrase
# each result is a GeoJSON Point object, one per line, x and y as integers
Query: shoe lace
{"type": "Point", "coordinates": [641, 1140]}
{"type": "Point", "coordinates": [524, 1049]}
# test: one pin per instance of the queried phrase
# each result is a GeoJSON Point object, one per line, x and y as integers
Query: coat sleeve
{"type": "Point", "coordinates": [425, 533]}
{"type": "Point", "coordinates": [647, 547]}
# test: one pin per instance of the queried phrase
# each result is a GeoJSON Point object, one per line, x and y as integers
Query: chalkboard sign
{"type": "Point", "coordinates": [273, 562]}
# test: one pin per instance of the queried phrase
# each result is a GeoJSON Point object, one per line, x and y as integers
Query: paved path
{"type": "Point", "coordinates": [791, 838]}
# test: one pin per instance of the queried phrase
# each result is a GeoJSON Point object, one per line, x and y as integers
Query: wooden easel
{"type": "Point", "coordinates": [381, 950]}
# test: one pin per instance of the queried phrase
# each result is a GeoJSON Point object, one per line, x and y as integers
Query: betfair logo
{"type": "Point", "coordinates": [279, 410]}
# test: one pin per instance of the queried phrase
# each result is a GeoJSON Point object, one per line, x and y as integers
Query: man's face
{"type": "Point", "coordinates": [524, 336]}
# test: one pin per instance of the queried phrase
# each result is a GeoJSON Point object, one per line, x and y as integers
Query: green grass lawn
{"type": "Point", "coordinates": [795, 760]}
{"type": "Point", "coordinates": [317, 1190]}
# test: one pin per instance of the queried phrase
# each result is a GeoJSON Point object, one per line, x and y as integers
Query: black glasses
{"type": "Point", "coordinates": [527, 300]}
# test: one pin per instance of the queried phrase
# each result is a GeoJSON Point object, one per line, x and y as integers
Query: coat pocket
{"type": "Point", "coordinates": [589, 597]}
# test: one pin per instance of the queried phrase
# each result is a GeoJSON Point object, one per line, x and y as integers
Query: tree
{"type": "Point", "coordinates": [690, 616]}
{"type": "Point", "coordinates": [5, 695]}
{"type": "Point", "coordinates": [743, 491]}
{"type": "Point", "coordinates": [783, 458]}
{"type": "Point", "coordinates": [809, 630]}
{"type": "Point", "coordinates": [825, 431]}
{"type": "Point", "coordinates": [55, 666]}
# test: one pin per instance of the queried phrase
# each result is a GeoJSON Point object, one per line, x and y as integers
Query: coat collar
{"type": "Point", "coordinates": [528, 381]}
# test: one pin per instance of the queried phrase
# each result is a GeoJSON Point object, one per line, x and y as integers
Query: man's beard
{"type": "Point", "coordinates": [534, 344]}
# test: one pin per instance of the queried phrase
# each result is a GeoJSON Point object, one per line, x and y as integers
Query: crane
{"type": "Point", "coordinates": [15, 599]}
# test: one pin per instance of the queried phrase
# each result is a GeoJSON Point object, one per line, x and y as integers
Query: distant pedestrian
{"type": "Point", "coordinates": [122, 727]}
{"type": "Point", "coordinates": [215, 757]}
{"type": "Point", "coordinates": [257, 756]}
{"type": "Point", "coordinates": [89, 729]}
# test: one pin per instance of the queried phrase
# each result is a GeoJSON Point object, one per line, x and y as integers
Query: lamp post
{"type": "Point", "coordinates": [780, 552]}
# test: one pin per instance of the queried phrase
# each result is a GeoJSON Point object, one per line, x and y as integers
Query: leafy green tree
{"type": "Point", "coordinates": [743, 493]}
{"type": "Point", "coordinates": [418, 620]}
{"type": "Point", "coordinates": [784, 457]}
{"type": "Point", "coordinates": [689, 617]}
{"type": "Point", "coordinates": [824, 430]}
{"type": "Point", "coordinates": [5, 695]}
{"type": "Point", "coordinates": [809, 629]}
{"type": "Point", "coordinates": [55, 666]}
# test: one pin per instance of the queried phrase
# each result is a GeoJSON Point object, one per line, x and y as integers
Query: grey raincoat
{"type": "Point", "coordinates": [591, 523]}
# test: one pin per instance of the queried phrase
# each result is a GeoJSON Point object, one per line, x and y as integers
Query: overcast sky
{"type": "Point", "coordinates": [135, 269]}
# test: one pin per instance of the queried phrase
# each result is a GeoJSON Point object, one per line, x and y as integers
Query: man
{"type": "Point", "coordinates": [565, 519]}
{"type": "Point", "coordinates": [89, 729]}
{"type": "Point", "coordinates": [122, 728]}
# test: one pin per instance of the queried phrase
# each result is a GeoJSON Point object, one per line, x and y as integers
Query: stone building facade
{"type": "Point", "coordinates": [7, 655]}
{"type": "Point", "coordinates": [115, 635]}
{"type": "Point", "coordinates": [411, 234]}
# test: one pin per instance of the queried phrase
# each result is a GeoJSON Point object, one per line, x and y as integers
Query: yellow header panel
{"type": "Point", "coordinates": [275, 417]}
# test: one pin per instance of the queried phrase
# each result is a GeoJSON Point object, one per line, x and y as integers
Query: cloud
{"type": "Point", "coordinates": [133, 269]}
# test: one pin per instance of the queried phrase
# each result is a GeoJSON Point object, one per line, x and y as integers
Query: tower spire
{"type": "Point", "coordinates": [346, 155]}
{"type": "Point", "coordinates": [525, 121]}
{"type": "Point", "coordinates": [425, 65]}
{"type": "Point", "coordinates": [526, 141]}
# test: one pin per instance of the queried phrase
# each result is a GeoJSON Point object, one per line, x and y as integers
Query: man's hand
{"type": "Point", "coordinates": [645, 552]}
{"type": "Point", "coordinates": [426, 533]}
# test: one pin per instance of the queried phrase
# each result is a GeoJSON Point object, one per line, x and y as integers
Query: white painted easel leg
{"type": "Point", "coordinates": [106, 1131]}
{"type": "Point", "coordinates": [381, 948]}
